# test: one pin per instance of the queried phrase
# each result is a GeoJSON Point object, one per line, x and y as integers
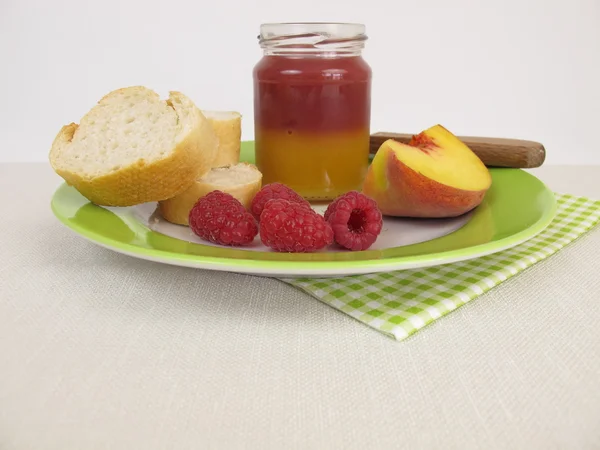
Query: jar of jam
{"type": "Point", "coordinates": [312, 107]}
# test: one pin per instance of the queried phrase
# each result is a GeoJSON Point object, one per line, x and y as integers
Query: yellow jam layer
{"type": "Point", "coordinates": [319, 166]}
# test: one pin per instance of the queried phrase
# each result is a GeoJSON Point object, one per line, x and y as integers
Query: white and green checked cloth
{"type": "Point", "coordinates": [402, 302]}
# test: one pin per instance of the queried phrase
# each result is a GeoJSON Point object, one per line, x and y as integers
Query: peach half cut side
{"type": "Point", "coordinates": [435, 175]}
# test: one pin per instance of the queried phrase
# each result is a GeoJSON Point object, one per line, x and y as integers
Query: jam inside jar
{"type": "Point", "coordinates": [312, 107]}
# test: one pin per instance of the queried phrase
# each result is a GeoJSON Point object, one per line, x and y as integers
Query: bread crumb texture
{"type": "Point", "coordinates": [132, 147]}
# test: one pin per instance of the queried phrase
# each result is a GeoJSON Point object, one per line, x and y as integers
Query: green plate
{"type": "Point", "coordinates": [517, 207]}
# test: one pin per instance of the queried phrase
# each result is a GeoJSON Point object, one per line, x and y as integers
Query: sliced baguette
{"type": "Point", "coordinates": [241, 180]}
{"type": "Point", "coordinates": [133, 148]}
{"type": "Point", "coordinates": [227, 125]}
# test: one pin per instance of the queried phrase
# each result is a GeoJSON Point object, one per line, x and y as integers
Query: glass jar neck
{"type": "Point", "coordinates": [326, 40]}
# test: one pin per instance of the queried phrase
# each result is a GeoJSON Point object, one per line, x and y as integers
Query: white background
{"type": "Point", "coordinates": [512, 68]}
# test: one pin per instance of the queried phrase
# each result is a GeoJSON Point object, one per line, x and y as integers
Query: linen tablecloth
{"type": "Point", "coordinates": [102, 351]}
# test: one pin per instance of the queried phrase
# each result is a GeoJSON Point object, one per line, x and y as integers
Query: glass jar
{"type": "Point", "coordinates": [312, 107]}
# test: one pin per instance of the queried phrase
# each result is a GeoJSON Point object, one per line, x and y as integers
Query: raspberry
{"type": "Point", "coordinates": [272, 191]}
{"type": "Point", "coordinates": [355, 219]}
{"type": "Point", "coordinates": [287, 226]}
{"type": "Point", "coordinates": [220, 218]}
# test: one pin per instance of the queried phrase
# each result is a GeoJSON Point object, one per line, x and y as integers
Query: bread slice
{"type": "Point", "coordinates": [227, 125]}
{"type": "Point", "coordinates": [133, 148]}
{"type": "Point", "coordinates": [241, 180]}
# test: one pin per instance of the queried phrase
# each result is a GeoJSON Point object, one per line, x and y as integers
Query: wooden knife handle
{"type": "Point", "coordinates": [493, 152]}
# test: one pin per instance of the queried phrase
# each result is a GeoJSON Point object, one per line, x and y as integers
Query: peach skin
{"type": "Point", "coordinates": [435, 175]}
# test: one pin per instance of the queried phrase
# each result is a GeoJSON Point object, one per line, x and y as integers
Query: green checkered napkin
{"type": "Point", "coordinates": [400, 303]}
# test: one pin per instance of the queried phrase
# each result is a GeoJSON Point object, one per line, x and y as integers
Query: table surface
{"type": "Point", "coordinates": [100, 350]}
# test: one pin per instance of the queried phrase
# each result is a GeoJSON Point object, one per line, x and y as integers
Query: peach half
{"type": "Point", "coordinates": [434, 175]}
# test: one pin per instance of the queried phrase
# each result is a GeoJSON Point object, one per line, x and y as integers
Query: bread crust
{"type": "Point", "coordinates": [141, 181]}
{"type": "Point", "coordinates": [177, 209]}
{"type": "Point", "coordinates": [229, 132]}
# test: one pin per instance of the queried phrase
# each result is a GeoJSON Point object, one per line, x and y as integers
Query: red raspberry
{"type": "Point", "coordinates": [220, 218]}
{"type": "Point", "coordinates": [286, 226]}
{"type": "Point", "coordinates": [355, 219]}
{"type": "Point", "coordinates": [271, 191]}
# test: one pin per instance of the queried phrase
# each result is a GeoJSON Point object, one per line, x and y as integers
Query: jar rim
{"type": "Point", "coordinates": [318, 35]}
{"type": "Point", "coordinates": [333, 29]}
